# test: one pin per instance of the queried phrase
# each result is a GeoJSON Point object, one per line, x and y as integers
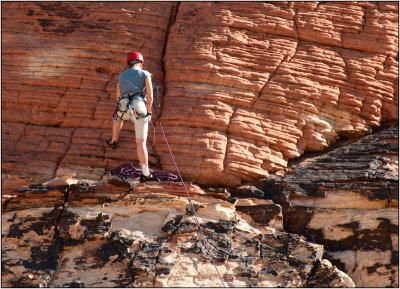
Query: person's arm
{"type": "Point", "coordinates": [149, 92]}
{"type": "Point", "coordinates": [117, 93]}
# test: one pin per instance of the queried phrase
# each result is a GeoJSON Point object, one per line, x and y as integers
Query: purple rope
{"type": "Point", "coordinates": [129, 171]}
{"type": "Point", "coordinates": [126, 171]}
{"type": "Point", "coordinates": [190, 200]}
{"type": "Point", "coordinates": [154, 137]}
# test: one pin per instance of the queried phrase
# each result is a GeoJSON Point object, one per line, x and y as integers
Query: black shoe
{"type": "Point", "coordinates": [148, 178]}
{"type": "Point", "coordinates": [113, 145]}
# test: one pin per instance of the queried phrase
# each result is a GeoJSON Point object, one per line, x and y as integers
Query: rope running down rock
{"type": "Point", "coordinates": [190, 200]}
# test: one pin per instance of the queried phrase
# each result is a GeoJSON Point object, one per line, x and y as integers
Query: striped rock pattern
{"type": "Point", "coordinates": [59, 64]}
{"type": "Point", "coordinates": [249, 87]}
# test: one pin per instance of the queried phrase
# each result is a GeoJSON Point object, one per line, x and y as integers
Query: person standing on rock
{"type": "Point", "coordinates": [132, 85]}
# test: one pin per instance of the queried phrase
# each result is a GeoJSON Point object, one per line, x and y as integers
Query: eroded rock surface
{"type": "Point", "coordinates": [244, 87]}
{"type": "Point", "coordinates": [347, 200]}
{"type": "Point", "coordinates": [59, 64]}
{"type": "Point", "coordinates": [118, 236]}
{"type": "Point", "coordinates": [250, 86]}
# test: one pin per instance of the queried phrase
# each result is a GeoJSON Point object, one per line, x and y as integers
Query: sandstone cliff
{"type": "Point", "coordinates": [249, 87]}
{"type": "Point", "coordinates": [246, 89]}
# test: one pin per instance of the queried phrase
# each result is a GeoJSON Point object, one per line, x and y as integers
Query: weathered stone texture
{"type": "Point", "coordinates": [347, 199]}
{"type": "Point", "coordinates": [119, 236]}
{"type": "Point", "coordinates": [245, 88]}
{"type": "Point", "coordinates": [265, 82]}
{"type": "Point", "coordinates": [32, 153]}
{"type": "Point", "coordinates": [30, 251]}
{"type": "Point", "coordinates": [59, 64]}
{"type": "Point", "coordinates": [249, 86]}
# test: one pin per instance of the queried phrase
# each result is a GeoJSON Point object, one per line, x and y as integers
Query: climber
{"type": "Point", "coordinates": [133, 84]}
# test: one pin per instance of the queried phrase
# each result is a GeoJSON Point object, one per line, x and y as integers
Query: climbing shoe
{"type": "Point", "coordinates": [149, 178]}
{"type": "Point", "coordinates": [113, 145]}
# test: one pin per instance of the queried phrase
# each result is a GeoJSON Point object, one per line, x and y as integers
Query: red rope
{"type": "Point", "coordinates": [190, 200]}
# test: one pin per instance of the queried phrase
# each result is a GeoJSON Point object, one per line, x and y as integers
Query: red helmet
{"type": "Point", "coordinates": [135, 56]}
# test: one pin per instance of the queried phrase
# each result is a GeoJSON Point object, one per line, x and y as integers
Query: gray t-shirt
{"type": "Point", "coordinates": [132, 80]}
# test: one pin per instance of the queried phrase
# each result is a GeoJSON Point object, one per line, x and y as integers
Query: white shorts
{"type": "Point", "coordinates": [141, 126]}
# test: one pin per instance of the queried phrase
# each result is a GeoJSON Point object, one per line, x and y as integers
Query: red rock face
{"type": "Point", "coordinates": [245, 86]}
{"type": "Point", "coordinates": [249, 86]}
{"type": "Point", "coordinates": [59, 64]}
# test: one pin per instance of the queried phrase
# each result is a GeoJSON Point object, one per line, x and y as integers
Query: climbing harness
{"type": "Point", "coordinates": [125, 110]}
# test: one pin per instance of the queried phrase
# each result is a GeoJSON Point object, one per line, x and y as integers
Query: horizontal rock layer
{"type": "Point", "coordinates": [113, 234]}
{"type": "Point", "coordinates": [59, 64]}
{"type": "Point", "coordinates": [347, 200]}
{"type": "Point", "coordinates": [33, 153]}
{"type": "Point", "coordinates": [244, 87]}
{"type": "Point", "coordinates": [249, 87]}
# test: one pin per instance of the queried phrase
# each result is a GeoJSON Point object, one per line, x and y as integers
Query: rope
{"type": "Point", "coordinates": [156, 90]}
{"type": "Point", "coordinates": [154, 137]}
{"type": "Point", "coordinates": [133, 172]}
{"type": "Point", "coordinates": [128, 171]}
{"type": "Point", "coordinates": [190, 199]}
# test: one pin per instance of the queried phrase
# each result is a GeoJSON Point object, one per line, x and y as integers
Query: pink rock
{"type": "Point", "coordinates": [243, 88]}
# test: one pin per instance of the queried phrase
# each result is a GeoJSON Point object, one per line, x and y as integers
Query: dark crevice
{"type": "Point", "coordinates": [57, 237]}
{"type": "Point", "coordinates": [341, 142]}
{"type": "Point", "coordinates": [62, 156]}
{"type": "Point", "coordinates": [172, 20]}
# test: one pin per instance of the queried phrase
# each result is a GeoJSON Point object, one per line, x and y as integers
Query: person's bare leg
{"type": "Point", "coordinates": [116, 128]}
{"type": "Point", "coordinates": [142, 152]}
{"type": "Point", "coordinates": [144, 161]}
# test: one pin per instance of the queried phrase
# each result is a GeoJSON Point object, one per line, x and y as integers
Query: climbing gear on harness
{"type": "Point", "coordinates": [148, 178]}
{"type": "Point", "coordinates": [113, 145]}
{"type": "Point", "coordinates": [156, 98]}
{"type": "Point", "coordinates": [132, 96]}
{"type": "Point", "coordinates": [135, 56]}
{"type": "Point", "coordinates": [125, 110]}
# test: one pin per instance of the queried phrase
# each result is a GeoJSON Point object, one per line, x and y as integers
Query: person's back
{"type": "Point", "coordinates": [132, 84]}
{"type": "Point", "coordinates": [133, 80]}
